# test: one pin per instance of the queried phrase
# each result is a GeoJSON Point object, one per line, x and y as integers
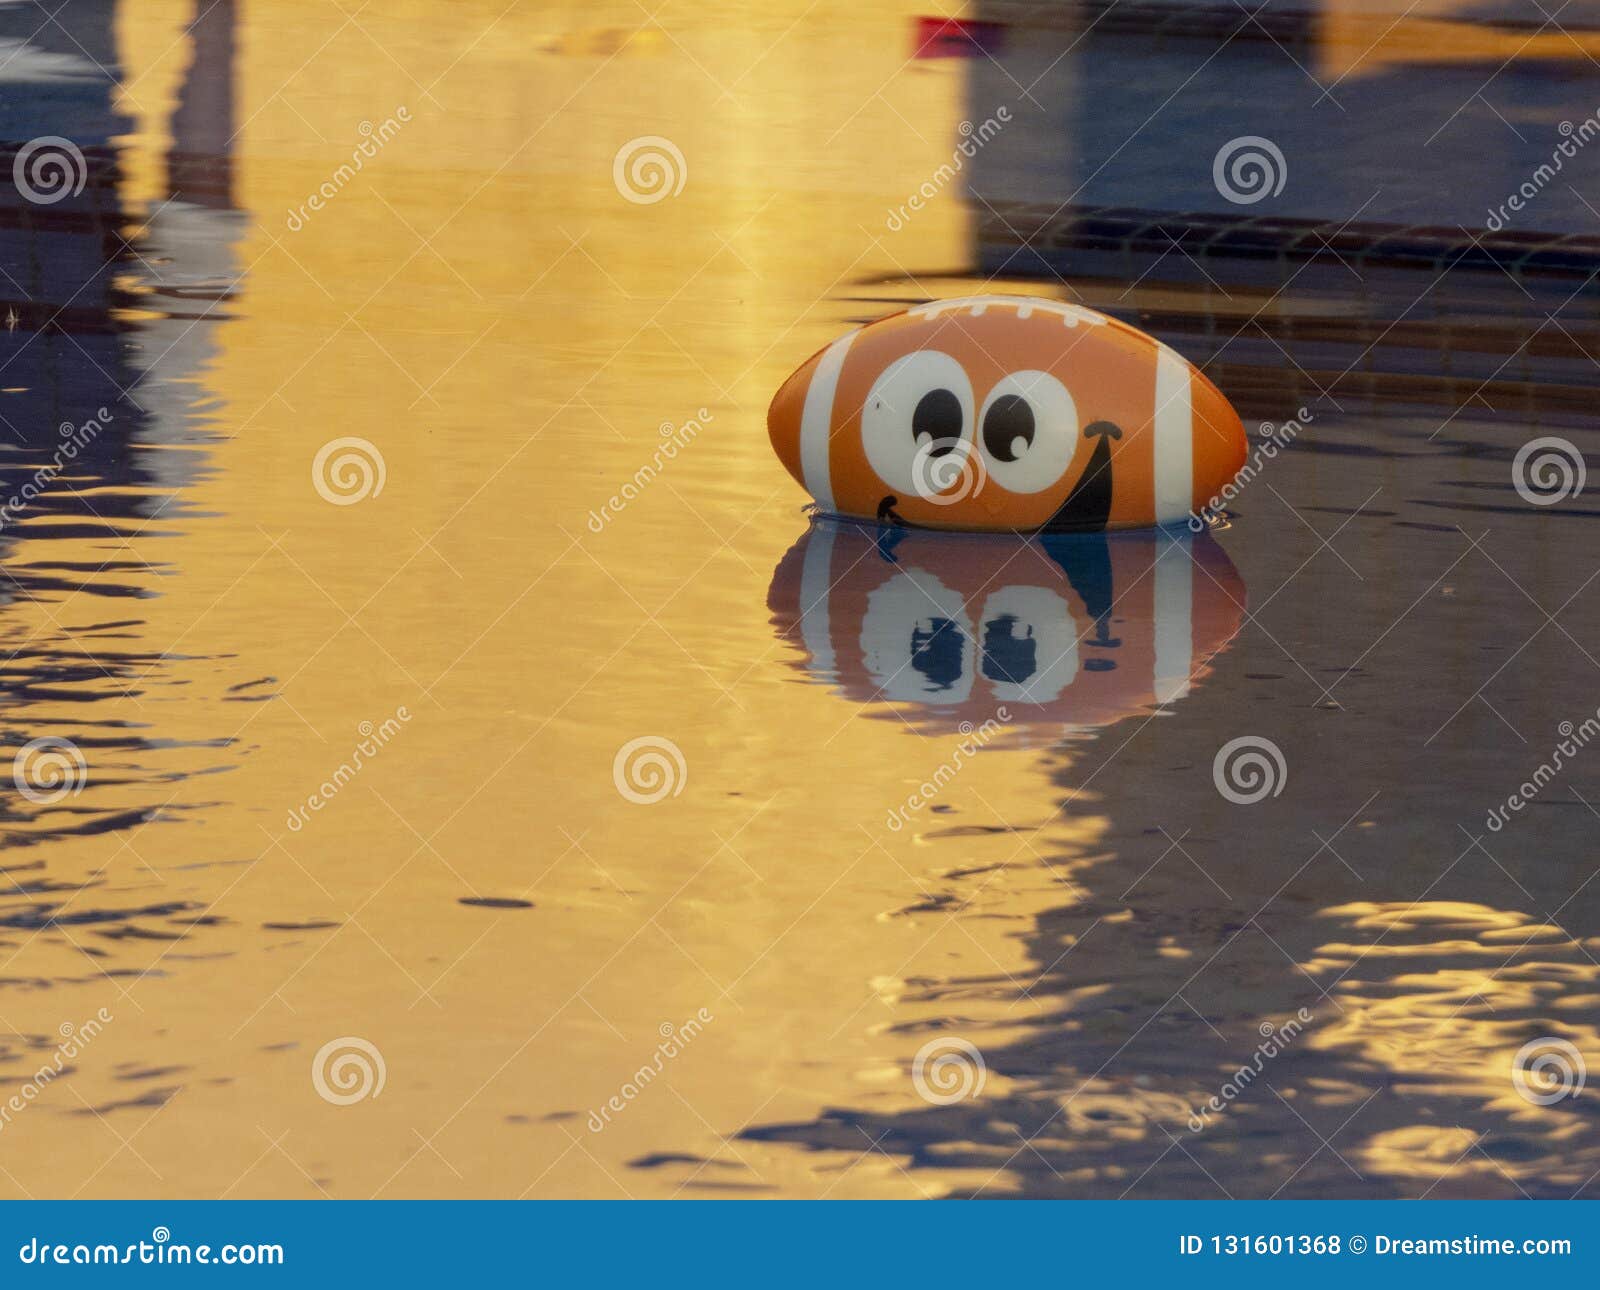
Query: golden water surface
{"type": "Point", "coordinates": [479, 903]}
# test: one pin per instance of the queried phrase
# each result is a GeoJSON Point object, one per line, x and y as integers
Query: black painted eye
{"type": "Point", "coordinates": [1030, 431]}
{"type": "Point", "coordinates": [1008, 427]}
{"type": "Point", "coordinates": [1010, 652]}
{"type": "Point", "coordinates": [1029, 644]}
{"type": "Point", "coordinates": [917, 639]}
{"type": "Point", "coordinates": [938, 651]}
{"type": "Point", "coordinates": [918, 411]}
{"type": "Point", "coordinates": [938, 416]}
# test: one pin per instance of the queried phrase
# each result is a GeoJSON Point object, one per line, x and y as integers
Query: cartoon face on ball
{"type": "Point", "coordinates": [1005, 413]}
{"type": "Point", "coordinates": [1052, 634]}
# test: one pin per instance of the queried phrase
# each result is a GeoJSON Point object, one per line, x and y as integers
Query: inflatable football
{"type": "Point", "coordinates": [1058, 634]}
{"type": "Point", "coordinates": [1009, 414]}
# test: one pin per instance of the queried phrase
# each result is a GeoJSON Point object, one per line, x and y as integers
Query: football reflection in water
{"type": "Point", "coordinates": [1066, 633]}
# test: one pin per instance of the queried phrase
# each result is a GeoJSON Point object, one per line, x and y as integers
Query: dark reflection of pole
{"type": "Point", "coordinates": [61, 355]}
{"type": "Point", "coordinates": [190, 244]}
{"type": "Point", "coordinates": [83, 391]}
{"type": "Point", "coordinates": [200, 164]}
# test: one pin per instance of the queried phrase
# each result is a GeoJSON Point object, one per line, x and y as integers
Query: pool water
{"type": "Point", "coordinates": [470, 770]}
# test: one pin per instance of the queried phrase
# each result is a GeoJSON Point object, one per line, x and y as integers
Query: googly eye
{"type": "Point", "coordinates": [1028, 430]}
{"type": "Point", "coordinates": [916, 423]}
{"type": "Point", "coordinates": [917, 641]}
{"type": "Point", "coordinates": [1029, 644]}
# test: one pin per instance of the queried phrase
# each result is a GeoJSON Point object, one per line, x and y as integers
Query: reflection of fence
{"type": "Point", "coordinates": [1376, 117]}
{"type": "Point", "coordinates": [1017, 237]}
{"type": "Point", "coordinates": [1289, 29]}
{"type": "Point", "coordinates": [55, 256]}
{"type": "Point", "coordinates": [1260, 392]}
{"type": "Point", "coordinates": [1514, 364]}
{"type": "Point", "coordinates": [65, 265]}
{"type": "Point", "coordinates": [1282, 312]}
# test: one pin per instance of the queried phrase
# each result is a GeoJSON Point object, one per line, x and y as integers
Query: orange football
{"type": "Point", "coordinates": [1005, 413]}
{"type": "Point", "coordinates": [1048, 636]}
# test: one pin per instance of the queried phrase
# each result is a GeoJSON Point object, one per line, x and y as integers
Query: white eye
{"type": "Point", "coordinates": [1028, 644]}
{"type": "Point", "coordinates": [917, 422]}
{"type": "Point", "coordinates": [916, 640]}
{"type": "Point", "coordinates": [1029, 431]}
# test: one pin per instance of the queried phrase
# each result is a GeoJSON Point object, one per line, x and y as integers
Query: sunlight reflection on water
{"type": "Point", "coordinates": [857, 855]}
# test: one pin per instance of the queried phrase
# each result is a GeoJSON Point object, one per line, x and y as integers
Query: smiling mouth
{"type": "Point", "coordinates": [1088, 506]}
{"type": "Point", "coordinates": [886, 512]}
